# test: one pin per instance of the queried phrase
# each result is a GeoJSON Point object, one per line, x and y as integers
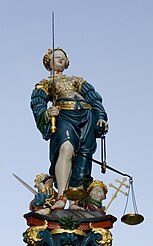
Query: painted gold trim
{"type": "Point", "coordinates": [80, 84]}
{"type": "Point", "coordinates": [70, 105]}
{"type": "Point", "coordinates": [43, 85]}
{"type": "Point", "coordinates": [32, 233]}
{"type": "Point", "coordinates": [59, 231]}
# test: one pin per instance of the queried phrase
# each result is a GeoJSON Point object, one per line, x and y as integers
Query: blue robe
{"type": "Point", "coordinates": [79, 126]}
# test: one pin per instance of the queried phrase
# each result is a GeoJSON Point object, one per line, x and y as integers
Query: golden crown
{"type": "Point", "coordinates": [40, 178]}
{"type": "Point", "coordinates": [97, 183]}
{"type": "Point", "coordinates": [47, 58]}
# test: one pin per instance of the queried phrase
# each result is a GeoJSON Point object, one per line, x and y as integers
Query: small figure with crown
{"type": "Point", "coordinates": [97, 191]}
{"type": "Point", "coordinates": [46, 195]}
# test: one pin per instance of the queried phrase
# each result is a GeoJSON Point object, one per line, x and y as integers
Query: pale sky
{"type": "Point", "coordinates": [110, 44]}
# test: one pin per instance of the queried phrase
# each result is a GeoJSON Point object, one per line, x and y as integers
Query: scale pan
{"type": "Point", "coordinates": [75, 194]}
{"type": "Point", "coordinates": [132, 219]}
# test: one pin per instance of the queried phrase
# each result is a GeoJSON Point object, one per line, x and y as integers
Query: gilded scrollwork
{"type": "Point", "coordinates": [43, 85]}
{"type": "Point", "coordinates": [106, 236]}
{"type": "Point", "coordinates": [31, 235]}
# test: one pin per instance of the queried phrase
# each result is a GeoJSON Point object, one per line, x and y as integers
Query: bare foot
{"type": "Point", "coordinates": [44, 211]}
{"type": "Point", "coordinates": [60, 203]}
{"type": "Point", "coordinates": [75, 207]}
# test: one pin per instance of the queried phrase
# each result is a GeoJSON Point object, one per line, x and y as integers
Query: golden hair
{"type": "Point", "coordinates": [39, 178]}
{"type": "Point", "coordinates": [47, 58]}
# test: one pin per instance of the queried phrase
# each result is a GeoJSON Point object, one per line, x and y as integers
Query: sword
{"type": "Point", "coordinates": [53, 119]}
{"type": "Point", "coordinates": [25, 184]}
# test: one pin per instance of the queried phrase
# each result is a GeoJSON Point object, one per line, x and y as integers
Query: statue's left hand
{"type": "Point", "coordinates": [103, 125]}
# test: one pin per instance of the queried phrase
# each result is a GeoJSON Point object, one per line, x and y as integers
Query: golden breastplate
{"type": "Point", "coordinates": [62, 88]}
{"type": "Point", "coordinates": [65, 86]}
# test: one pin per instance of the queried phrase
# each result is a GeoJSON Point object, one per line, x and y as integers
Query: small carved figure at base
{"type": "Point", "coordinates": [97, 191]}
{"type": "Point", "coordinates": [46, 196]}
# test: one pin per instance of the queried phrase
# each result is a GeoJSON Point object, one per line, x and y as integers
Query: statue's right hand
{"type": "Point", "coordinates": [52, 111]}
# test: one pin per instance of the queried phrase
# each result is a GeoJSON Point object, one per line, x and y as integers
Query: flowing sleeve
{"type": "Point", "coordinates": [94, 99]}
{"type": "Point", "coordinates": [39, 100]}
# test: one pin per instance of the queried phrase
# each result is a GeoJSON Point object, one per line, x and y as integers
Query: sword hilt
{"type": "Point", "coordinates": [53, 123]}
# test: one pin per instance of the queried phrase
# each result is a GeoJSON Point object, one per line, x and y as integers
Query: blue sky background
{"type": "Point", "coordinates": [110, 44]}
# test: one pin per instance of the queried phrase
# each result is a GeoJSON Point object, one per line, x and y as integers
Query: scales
{"type": "Point", "coordinates": [75, 194]}
{"type": "Point", "coordinates": [132, 218]}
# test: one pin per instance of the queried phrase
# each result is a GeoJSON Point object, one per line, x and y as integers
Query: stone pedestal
{"type": "Point", "coordinates": [68, 227]}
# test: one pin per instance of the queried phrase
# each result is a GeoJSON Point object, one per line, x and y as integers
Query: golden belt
{"type": "Point", "coordinates": [72, 105]}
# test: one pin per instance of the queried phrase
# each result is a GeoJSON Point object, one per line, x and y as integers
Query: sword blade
{"type": "Point", "coordinates": [53, 42]}
{"type": "Point", "coordinates": [25, 184]}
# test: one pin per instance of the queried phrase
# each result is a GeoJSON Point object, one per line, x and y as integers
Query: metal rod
{"type": "Point", "coordinates": [53, 71]}
{"type": "Point", "coordinates": [53, 119]}
{"type": "Point", "coordinates": [99, 163]}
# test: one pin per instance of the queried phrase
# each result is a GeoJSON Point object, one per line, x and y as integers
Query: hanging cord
{"type": "Point", "coordinates": [103, 154]}
{"type": "Point", "coordinates": [133, 198]}
{"type": "Point", "coordinates": [127, 198]}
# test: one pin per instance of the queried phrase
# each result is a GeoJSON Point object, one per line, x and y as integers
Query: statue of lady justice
{"type": "Point", "coordinates": [80, 118]}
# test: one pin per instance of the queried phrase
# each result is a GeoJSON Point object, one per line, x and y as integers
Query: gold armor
{"type": "Point", "coordinates": [43, 85]}
{"type": "Point", "coordinates": [64, 87]}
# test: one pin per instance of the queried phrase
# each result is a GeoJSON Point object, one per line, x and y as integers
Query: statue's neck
{"type": "Point", "coordinates": [56, 73]}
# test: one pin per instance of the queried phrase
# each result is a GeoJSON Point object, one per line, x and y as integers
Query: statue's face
{"type": "Point", "coordinates": [59, 61]}
{"type": "Point", "coordinates": [49, 183]}
{"type": "Point", "coordinates": [97, 193]}
{"type": "Point", "coordinates": [41, 186]}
